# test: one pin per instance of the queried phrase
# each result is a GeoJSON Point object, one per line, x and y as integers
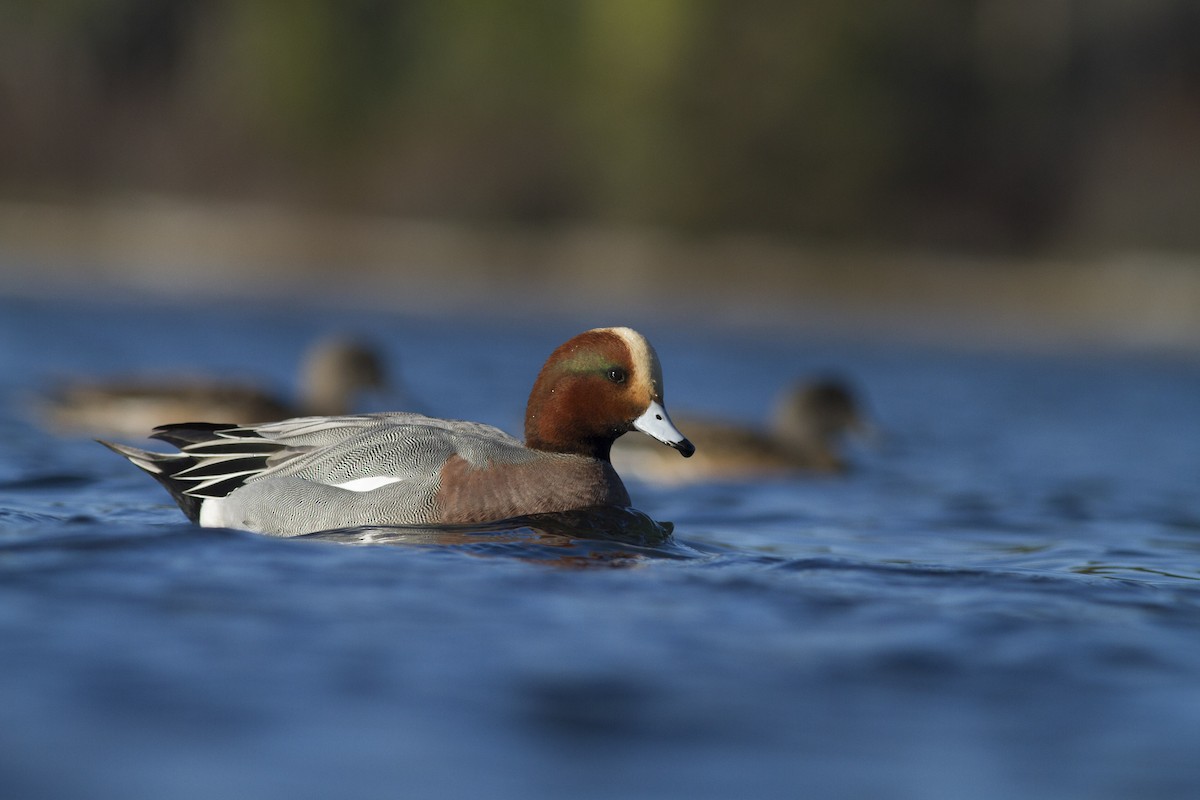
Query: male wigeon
{"type": "Point", "coordinates": [321, 473]}
{"type": "Point", "coordinates": [807, 424]}
{"type": "Point", "coordinates": [334, 372]}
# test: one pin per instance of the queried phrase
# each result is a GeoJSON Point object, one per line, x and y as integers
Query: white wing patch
{"type": "Point", "coordinates": [368, 484]}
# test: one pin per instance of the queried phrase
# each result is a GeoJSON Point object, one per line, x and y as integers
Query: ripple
{"type": "Point", "coordinates": [47, 482]}
{"type": "Point", "coordinates": [1130, 571]}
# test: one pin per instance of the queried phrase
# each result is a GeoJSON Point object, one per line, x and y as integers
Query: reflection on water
{"type": "Point", "coordinates": [1000, 600]}
{"type": "Point", "coordinates": [585, 537]}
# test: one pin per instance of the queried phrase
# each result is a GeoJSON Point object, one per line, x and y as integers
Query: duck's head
{"type": "Point", "coordinates": [598, 385]}
{"type": "Point", "coordinates": [335, 370]}
{"type": "Point", "coordinates": [817, 412]}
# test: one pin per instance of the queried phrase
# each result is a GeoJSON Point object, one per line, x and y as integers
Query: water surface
{"type": "Point", "coordinates": [1001, 600]}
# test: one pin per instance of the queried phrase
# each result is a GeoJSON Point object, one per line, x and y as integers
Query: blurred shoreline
{"type": "Point", "coordinates": [182, 248]}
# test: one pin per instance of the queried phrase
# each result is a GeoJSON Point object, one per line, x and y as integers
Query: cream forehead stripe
{"type": "Point", "coordinates": [644, 359]}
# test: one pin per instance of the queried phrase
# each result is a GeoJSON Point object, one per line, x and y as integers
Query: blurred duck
{"type": "Point", "coordinates": [808, 422]}
{"type": "Point", "coordinates": [334, 372]}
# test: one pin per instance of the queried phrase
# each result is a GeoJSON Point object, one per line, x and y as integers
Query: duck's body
{"type": "Point", "coordinates": [809, 420]}
{"type": "Point", "coordinates": [320, 473]}
{"type": "Point", "coordinates": [335, 370]}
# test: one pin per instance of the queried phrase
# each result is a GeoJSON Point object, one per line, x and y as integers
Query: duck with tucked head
{"type": "Point", "coordinates": [321, 473]}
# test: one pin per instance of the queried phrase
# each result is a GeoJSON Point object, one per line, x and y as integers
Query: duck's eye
{"type": "Point", "coordinates": [616, 375]}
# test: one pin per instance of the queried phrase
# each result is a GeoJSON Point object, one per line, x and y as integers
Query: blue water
{"type": "Point", "coordinates": [1002, 600]}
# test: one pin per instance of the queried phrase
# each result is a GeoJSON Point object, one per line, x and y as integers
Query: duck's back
{"type": "Point", "coordinates": [129, 409]}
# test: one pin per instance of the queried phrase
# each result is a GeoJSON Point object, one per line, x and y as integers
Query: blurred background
{"type": "Point", "coordinates": [1023, 168]}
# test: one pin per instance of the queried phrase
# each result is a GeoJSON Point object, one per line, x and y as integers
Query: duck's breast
{"type": "Point", "coordinates": [541, 484]}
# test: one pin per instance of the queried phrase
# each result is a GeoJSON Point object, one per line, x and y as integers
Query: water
{"type": "Point", "coordinates": [1001, 601]}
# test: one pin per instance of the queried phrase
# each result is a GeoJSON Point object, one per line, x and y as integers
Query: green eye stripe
{"type": "Point", "coordinates": [588, 362]}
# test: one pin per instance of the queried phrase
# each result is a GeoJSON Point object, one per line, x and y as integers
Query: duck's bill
{"type": "Point", "coordinates": [655, 422]}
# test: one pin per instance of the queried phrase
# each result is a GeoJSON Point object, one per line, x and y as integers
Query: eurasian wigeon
{"type": "Point", "coordinates": [334, 372]}
{"type": "Point", "coordinates": [808, 422]}
{"type": "Point", "coordinates": [322, 473]}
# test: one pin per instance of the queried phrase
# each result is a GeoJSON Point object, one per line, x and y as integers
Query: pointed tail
{"type": "Point", "coordinates": [162, 467]}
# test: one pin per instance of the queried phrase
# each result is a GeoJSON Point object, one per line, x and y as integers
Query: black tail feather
{"type": "Point", "coordinates": [189, 505]}
{"type": "Point", "coordinates": [162, 467]}
{"type": "Point", "coordinates": [182, 434]}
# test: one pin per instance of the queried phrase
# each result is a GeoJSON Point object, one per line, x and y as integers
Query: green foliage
{"type": "Point", "coordinates": [956, 119]}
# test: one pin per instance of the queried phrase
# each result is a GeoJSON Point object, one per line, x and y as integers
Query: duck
{"type": "Point", "coordinates": [809, 419]}
{"type": "Point", "coordinates": [320, 473]}
{"type": "Point", "coordinates": [335, 370]}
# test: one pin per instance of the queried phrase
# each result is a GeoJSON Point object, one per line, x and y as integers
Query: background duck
{"type": "Point", "coordinates": [334, 372]}
{"type": "Point", "coordinates": [804, 434]}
